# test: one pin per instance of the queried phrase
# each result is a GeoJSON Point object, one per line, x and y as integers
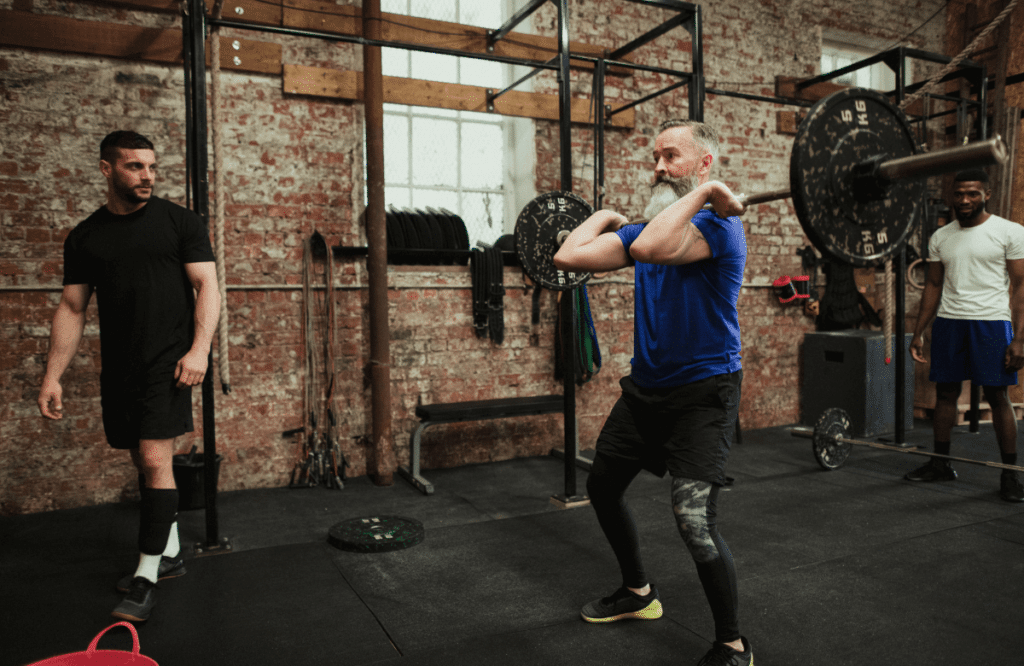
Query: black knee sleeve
{"type": "Point", "coordinates": [158, 511]}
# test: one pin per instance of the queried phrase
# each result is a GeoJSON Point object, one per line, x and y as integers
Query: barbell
{"type": "Point", "coordinates": [855, 180]}
{"type": "Point", "coordinates": [831, 443]}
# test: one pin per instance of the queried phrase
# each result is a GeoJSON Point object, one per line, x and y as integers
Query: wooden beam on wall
{"type": "Point", "coordinates": [129, 42]}
{"type": "Point", "coordinates": [347, 20]}
{"type": "Point", "coordinates": [339, 84]}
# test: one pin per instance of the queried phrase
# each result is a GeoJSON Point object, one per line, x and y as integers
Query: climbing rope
{"type": "Point", "coordinates": [218, 214]}
{"type": "Point", "coordinates": [955, 62]}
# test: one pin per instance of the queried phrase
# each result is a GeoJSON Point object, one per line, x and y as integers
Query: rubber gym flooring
{"type": "Point", "coordinates": [853, 566]}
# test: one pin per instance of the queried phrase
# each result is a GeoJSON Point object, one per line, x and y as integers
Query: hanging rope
{"type": "Point", "coordinates": [218, 214]}
{"type": "Point", "coordinates": [889, 320]}
{"type": "Point", "coordinates": [955, 62]}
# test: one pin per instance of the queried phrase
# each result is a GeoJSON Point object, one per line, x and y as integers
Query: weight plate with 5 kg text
{"type": "Point", "coordinates": [541, 228]}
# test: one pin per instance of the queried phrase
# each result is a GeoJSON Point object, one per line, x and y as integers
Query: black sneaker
{"type": "Point", "coordinates": [170, 567]}
{"type": "Point", "coordinates": [139, 601]}
{"type": "Point", "coordinates": [1010, 488]}
{"type": "Point", "coordinates": [623, 605]}
{"type": "Point", "coordinates": [721, 654]}
{"type": "Point", "coordinates": [933, 470]}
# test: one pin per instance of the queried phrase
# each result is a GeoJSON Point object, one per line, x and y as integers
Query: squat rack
{"type": "Point", "coordinates": [195, 24]}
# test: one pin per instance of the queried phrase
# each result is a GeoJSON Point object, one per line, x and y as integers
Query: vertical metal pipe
{"type": "Point", "coordinates": [983, 104]}
{"type": "Point", "coordinates": [194, 36]}
{"type": "Point", "coordinates": [382, 465]}
{"type": "Point", "coordinates": [568, 297]}
{"type": "Point", "coordinates": [696, 87]}
{"type": "Point", "coordinates": [599, 134]}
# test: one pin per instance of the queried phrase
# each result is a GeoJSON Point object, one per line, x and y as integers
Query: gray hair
{"type": "Point", "coordinates": [705, 136]}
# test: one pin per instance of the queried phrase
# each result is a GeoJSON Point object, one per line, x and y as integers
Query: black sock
{"type": "Point", "coordinates": [158, 510]}
{"type": "Point", "coordinates": [1009, 458]}
{"type": "Point", "coordinates": [942, 448]}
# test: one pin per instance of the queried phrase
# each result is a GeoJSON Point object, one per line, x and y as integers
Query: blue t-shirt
{"type": "Point", "coordinates": [686, 326]}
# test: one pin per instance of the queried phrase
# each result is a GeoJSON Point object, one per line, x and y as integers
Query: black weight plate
{"type": "Point", "coordinates": [447, 233]}
{"type": "Point", "coordinates": [828, 450]}
{"type": "Point", "coordinates": [537, 230]}
{"type": "Point", "coordinates": [460, 228]}
{"type": "Point", "coordinates": [412, 233]}
{"type": "Point", "coordinates": [447, 229]}
{"type": "Point", "coordinates": [842, 130]}
{"type": "Point", "coordinates": [428, 229]}
{"type": "Point", "coordinates": [376, 534]}
{"type": "Point", "coordinates": [435, 229]}
{"type": "Point", "coordinates": [396, 238]}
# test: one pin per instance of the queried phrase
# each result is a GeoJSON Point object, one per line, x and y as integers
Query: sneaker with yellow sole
{"type": "Point", "coordinates": [624, 605]}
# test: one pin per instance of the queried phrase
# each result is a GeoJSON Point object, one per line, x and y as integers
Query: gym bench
{"type": "Point", "coordinates": [478, 410]}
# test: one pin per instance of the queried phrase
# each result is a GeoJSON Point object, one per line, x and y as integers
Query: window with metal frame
{"type": "Point", "coordinates": [458, 160]}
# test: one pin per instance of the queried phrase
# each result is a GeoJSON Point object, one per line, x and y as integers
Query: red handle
{"type": "Point", "coordinates": [135, 637]}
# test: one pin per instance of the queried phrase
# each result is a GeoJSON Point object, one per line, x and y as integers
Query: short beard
{"type": "Point", "coordinates": [667, 190]}
{"type": "Point", "coordinates": [130, 194]}
{"type": "Point", "coordinates": [967, 217]}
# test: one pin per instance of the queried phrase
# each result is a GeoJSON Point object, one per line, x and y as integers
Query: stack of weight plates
{"type": "Point", "coordinates": [429, 229]}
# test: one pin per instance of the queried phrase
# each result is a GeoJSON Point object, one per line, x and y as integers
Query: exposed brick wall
{"type": "Point", "coordinates": [292, 165]}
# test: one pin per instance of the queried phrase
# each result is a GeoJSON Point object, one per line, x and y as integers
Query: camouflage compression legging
{"type": "Point", "coordinates": [694, 504]}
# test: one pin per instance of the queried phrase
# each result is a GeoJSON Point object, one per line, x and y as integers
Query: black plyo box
{"type": "Point", "coordinates": [847, 369]}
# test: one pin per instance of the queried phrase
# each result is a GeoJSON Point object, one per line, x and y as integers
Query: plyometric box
{"type": "Point", "coordinates": [847, 369]}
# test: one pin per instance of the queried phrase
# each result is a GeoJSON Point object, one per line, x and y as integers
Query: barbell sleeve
{"type": "Point", "coordinates": [958, 158]}
{"type": "Point", "coordinates": [973, 155]}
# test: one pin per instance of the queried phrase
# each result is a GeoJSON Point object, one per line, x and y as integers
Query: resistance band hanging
{"type": "Point", "coordinates": [587, 362]}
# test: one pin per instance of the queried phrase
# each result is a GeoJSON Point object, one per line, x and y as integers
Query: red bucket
{"type": "Point", "coordinates": [94, 657]}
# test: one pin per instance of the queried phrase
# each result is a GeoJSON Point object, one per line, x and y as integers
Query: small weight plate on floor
{"type": "Point", "coordinates": [376, 534]}
{"type": "Point", "coordinates": [828, 450]}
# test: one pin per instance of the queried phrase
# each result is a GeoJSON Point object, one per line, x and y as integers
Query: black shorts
{"type": "Point", "coordinates": [685, 430]}
{"type": "Point", "coordinates": [154, 408]}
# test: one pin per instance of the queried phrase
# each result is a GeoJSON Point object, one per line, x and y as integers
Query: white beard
{"type": "Point", "coordinates": [666, 191]}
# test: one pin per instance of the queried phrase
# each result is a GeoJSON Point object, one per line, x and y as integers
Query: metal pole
{"type": "Point", "coordinates": [194, 37]}
{"type": "Point", "coordinates": [382, 465]}
{"type": "Point", "coordinates": [599, 134]}
{"type": "Point", "coordinates": [568, 297]}
{"type": "Point", "coordinates": [696, 89]}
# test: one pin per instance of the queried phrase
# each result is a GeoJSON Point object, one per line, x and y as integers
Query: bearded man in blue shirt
{"type": "Point", "coordinates": [678, 407]}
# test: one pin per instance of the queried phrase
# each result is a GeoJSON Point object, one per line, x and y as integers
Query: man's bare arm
{"type": "Point", "coordinates": [65, 336]}
{"type": "Point", "coordinates": [929, 306]}
{"type": "Point", "coordinates": [192, 367]}
{"type": "Point", "coordinates": [672, 239]}
{"type": "Point", "coordinates": [594, 246]}
{"type": "Point", "coordinates": [1015, 352]}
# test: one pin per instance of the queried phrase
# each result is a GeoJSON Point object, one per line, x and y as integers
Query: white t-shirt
{"type": "Point", "coordinates": [977, 284]}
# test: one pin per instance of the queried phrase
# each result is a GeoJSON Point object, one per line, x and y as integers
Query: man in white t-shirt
{"type": "Point", "coordinates": [976, 287]}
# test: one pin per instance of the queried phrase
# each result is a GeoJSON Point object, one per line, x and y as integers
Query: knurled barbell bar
{"type": "Point", "coordinates": [855, 180]}
{"type": "Point", "coordinates": [831, 443]}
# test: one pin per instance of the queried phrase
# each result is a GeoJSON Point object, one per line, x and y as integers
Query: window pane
{"type": "Point", "coordinates": [396, 149]}
{"type": "Point", "coordinates": [397, 196]}
{"type": "Point", "coordinates": [436, 199]}
{"type": "Point", "coordinates": [434, 152]}
{"type": "Point", "coordinates": [476, 116]}
{"type": "Point", "coordinates": [394, 62]}
{"type": "Point", "coordinates": [481, 155]}
{"type": "Point", "coordinates": [435, 67]}
{"type": "Point", "coordinates": [484, 14]}
{"type": "Point", "coordinates": [435, 113]}
{"type": "Point", "coordinates": [481, 73]}
{"type": "Point", "coordinates": [483, 215]}
{"type": "Point", "coordinates": [395, 108]}
{"type": "Point", "coordinates": [442, 10]}
{"type": "Point", "coordinates": [393, 6]}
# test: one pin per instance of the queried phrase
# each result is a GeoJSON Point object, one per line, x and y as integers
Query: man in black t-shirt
{"type": "Point", "coordinates": [150, 263]}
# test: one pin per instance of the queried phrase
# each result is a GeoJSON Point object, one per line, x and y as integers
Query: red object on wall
{"type": "Point", "coordinates": [94, 657]}
{"type": "Point", "coordinates": [784, 289]}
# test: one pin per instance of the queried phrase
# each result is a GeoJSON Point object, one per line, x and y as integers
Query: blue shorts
{"type": "Point", "coordinates": [966, 349]}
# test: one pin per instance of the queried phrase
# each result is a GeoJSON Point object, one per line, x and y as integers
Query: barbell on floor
{"type": "Point", "coordinates": [855, 180]}
{"type": "Point", "coordinates": [831, 443]}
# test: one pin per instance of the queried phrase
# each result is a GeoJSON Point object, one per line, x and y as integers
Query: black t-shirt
{"type": "Point", "coordinates": [136, 264]}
